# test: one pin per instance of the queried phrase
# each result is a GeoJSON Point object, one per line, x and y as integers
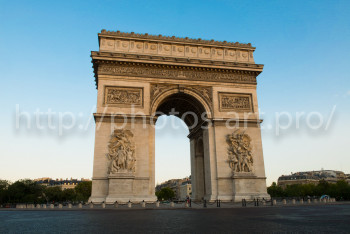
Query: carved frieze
{"type": "Point", "coordinates": [240, 158]}
{"type": "Point", "coordinates": [238, 102]}
{"type": "Point", "coordinates": [121, 96]}
{"type": "Point", "coordinates": [121, 152]}
{"type": "Point", "coordinates": [171, 72]}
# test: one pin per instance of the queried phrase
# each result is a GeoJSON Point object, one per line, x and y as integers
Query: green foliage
{"type": "Point", "coordinates": [339, 190]}
{"type": "Point", "coordinates": [27, 191]}
{"type": "Point", "coordinates": [83, 190]}
{"type": "Point", "coordinates": [68, 195]}
{"type": "Point", "coordinates": [24, 191]}
{"type": "Point", "coordinates": [4, 184]}
{"type": "Point", "coordinates": [53, 194]}
{"type": "Point", "coordinates": [165, 194]}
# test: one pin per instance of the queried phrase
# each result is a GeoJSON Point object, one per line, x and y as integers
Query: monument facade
{"type": "Point", "coordinates": [211, 85]}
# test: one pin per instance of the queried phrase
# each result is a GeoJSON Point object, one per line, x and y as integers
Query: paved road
{"type": "Point", "coordinates": [317, 219]}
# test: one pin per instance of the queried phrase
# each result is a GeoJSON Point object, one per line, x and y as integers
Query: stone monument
{"type": "Point", "coordinates": [211, 85]}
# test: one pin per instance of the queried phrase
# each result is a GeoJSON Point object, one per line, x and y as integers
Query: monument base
{"type": "Point", "coordinates": [125, 187]}
{"type": "Point", "coordinates": [248, 186]}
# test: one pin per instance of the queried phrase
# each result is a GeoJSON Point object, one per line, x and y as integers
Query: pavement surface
{"type": "Point", "coordinates": [327, 218]}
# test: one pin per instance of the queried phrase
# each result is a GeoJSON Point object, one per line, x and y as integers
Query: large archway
{"type": "Point", "coordinates": [194, 115]}
{"type": "Point", "coordinates": [206, 83]}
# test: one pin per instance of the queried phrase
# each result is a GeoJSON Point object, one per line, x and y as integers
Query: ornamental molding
{"type": "Point", "coordinates": [175, 72]}
{"type": "Point", "coordinates": [121, 152]}
{"type": "Point", "coordinates": [103, 55]}
{"type": "Point", "coordinates": [240, 158]}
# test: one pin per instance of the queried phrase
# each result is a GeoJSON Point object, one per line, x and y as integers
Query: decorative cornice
{"type": "Point", "coordinates": [174, 39]}
{"type": "Point", "coordinates": [96, 55]}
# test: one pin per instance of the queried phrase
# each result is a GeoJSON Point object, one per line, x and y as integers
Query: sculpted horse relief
{"type": "Point", "coordinates": [121, 152]}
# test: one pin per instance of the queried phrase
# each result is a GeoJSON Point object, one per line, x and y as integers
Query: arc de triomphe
{"type": "Point", "coordinates": [211, 85]}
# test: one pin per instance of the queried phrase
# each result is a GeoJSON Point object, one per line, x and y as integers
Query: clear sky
{"type": "Point", "coordinates": [45, 65]}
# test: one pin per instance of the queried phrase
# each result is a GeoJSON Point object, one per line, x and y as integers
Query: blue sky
{"type": "Point", "coordinates": [45, 64]}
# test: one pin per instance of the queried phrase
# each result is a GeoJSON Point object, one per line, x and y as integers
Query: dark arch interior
{"type": "Point", "coordinates": [186, 107]}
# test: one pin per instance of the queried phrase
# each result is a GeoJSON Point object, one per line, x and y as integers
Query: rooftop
{"type": "Point", "coordinates": [147, 36]}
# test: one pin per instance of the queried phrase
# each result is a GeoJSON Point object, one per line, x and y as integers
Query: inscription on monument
{"type": "Point", "coordinates": [235, 102]}
{"type": "Point", "coordinates": [123, 96]}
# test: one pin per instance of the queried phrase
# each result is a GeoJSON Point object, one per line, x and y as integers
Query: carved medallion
{"type": "Point", "coordinates": [121, 152]}
{"type": "Point", "coordinates": [235, 102]}
{"type": "Point", "coordinates": [123, 96]}
{"type": "Point", "coordinates": [240, 157]}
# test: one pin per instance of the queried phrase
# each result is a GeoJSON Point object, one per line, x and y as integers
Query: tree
{"type": "Point", "coordinates": [165, 194]}
{"type": "Point", "coordinates": [26, 191]}
{"type": "Point", "coordinates": [68, 195]}
{"type": "Point", "coordinates": [275, 191]}
{"type": "Point", "coordinates": [83, 190]}
{"type": "Point", "coordinates": [4, 184]}
{"type": "Point", "coordinates": [53, 194]}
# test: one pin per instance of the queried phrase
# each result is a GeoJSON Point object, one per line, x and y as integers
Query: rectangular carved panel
{"type": "Point", "coordinates": [239, 102]}
{"type": "Point", "coordinates": [123, 96]}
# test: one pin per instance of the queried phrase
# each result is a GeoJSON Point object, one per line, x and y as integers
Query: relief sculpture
{"type": "Point", "coordinates": [121, 152]}
{"type": "Point", "coordinates": [235, 102]}
{"type": "Point", "coordinates": [240, 156]}
{"type": "Point", "coordinates": [121, 95]}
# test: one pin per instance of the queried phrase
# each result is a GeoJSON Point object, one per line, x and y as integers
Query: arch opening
{"type": "Point", "coordinates": [194, 115]}
{"type": "Point", "coordinates": [185, 107]}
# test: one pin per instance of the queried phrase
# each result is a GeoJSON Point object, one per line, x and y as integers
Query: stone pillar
{"type": "Point", "coordinates": [301, 201]}
{"type": "Point", "coordinates": [115, 204]}
{"type": "Point", "coordinates": [143, 204]}
{"type": "Point", "coordinates": [309, 200]}
{"type": "Point", "coordinates": [60, 206]}
{"type": "Point", "coordinates": [70, 206]}
{"type": "Point", "coordinates": [103, 205]}
{"type": "Point", "coordinates": [129, 204]}
{"type": "Point", "coordinates": [52, 206]}
{"type": "Point", "coordinates": [91, 205]}
{"type": "Point", "coordinates": [172, 204]}
{"type": "Point", "coordinates": [80, 206]}
{"type": "Point", "coordinates": [44, 206]}
{"type": "Point", "coordinates": [274, 202]}
{"type": "Point", "coordinates": [284, 201]}
{"type": "Point", "coordinates": [38, 206]}
{"type": "Point", "coordinates": [157, 203]}
{"type": "Point", "coordinates": [293, 201]}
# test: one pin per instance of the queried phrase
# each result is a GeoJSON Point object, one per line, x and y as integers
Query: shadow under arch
{"type": "Point", "coordinates": [186, 105]}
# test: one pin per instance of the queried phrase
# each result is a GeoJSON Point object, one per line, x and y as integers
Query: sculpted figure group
{"type": "Point", "coordinates": [240, 156]}
{"type": "Point", "coordinates": [121, 152]}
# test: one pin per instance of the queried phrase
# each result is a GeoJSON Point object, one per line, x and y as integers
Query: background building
{"type": "Point", "coordinates": [314, 177]}
{"type": "Point", "coordinates": [181, 187]}
{"type": "Point", "coordinates": [62, 183]}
